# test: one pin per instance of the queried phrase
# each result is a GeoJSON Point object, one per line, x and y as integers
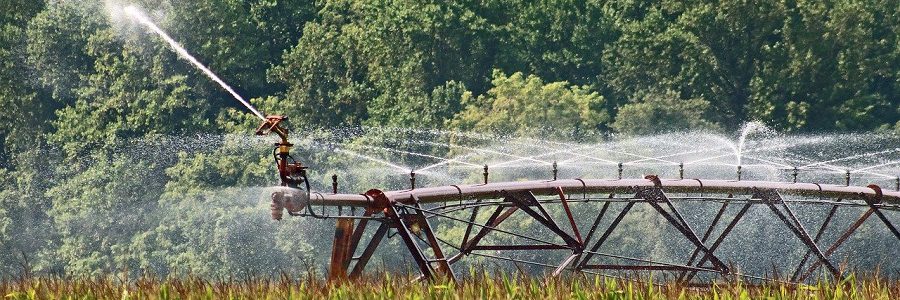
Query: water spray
{"type": "Point", "coordinates": [291, 172]}
{"type": "Point", "coordinates": [138, 16]}
{"type": "Point", "coordinates": [402, 209]}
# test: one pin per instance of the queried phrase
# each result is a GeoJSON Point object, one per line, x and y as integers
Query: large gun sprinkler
{"type": "Point", "coordinates": [292, 195]}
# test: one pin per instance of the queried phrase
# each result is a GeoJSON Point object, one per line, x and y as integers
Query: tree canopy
{"type": "Point", "coordinates": [78, 85]}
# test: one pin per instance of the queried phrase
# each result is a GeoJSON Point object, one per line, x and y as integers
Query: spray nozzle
{"type": "Point", "coordinates": [292, 172]}
{"type": "Point", "coordinates": [273, 124]}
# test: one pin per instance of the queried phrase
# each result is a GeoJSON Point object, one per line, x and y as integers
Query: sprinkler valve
{"type": "Point", "coordinates": [289, 196]}
{"type": "Point", "coordinates": [292, 200]}
{"type": "Point", "coordinates": [291, 171]}
{"type": "Point", "coordinates": [794, 174]}
{"type": "Point", "coordinates": [334, 184]}
{"type": "Point", "coordinates": [555, 170]}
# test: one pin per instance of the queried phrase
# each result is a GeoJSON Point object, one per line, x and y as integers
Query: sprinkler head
{"type": "Point", "coordinates": [412, 179]}
{"type": "Point", "coordinates": [739, 173]}
{"type": "Point", "coordinates": [681, 170]}
{"type": "Point", "coordinates": [334, 184]}
{"type": "Point", "coordinates": [555, 170]}
{"type": "Point", "coordinates": [847, 178]}
{"type": "Point", "coordinates": [620, 170]}
{"type": "Point", "coordinates": [794, 174]}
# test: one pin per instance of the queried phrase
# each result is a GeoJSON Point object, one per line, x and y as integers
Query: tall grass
{"type": "Point", "coordinates": [476, 286]}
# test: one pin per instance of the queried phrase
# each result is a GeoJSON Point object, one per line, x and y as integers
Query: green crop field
{"type": "Point", "coordinates": [474, 287]}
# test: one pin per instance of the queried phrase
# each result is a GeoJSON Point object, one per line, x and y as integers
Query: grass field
{"type": "Point", "coordinates": [474, 287]}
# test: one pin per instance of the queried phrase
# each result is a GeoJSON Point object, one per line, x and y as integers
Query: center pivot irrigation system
{"type": "Point", "coordinates": [414, 213]}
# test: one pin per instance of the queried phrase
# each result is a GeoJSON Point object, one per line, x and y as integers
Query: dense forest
{"type": "Point", "coordinates": [78, 84]}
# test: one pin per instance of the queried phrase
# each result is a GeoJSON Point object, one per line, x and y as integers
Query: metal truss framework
{"type": "Point", "coordinates": [406, 213]}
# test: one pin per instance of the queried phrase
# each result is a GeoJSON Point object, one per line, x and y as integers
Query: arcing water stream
{"type": "Point", "coordinates": [136, 14]}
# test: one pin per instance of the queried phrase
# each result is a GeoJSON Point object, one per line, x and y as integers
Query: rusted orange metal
{"type": "Point", "coordinates": [341, 252]}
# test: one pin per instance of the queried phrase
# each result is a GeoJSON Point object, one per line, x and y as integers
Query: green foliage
{"type": "Point", "coordinates": [94, 212]}
{"type": "Point", "coordinates": [57, 45]}
{"type": "Point", "coordinates": [834, 67]}
{"type": "Point", "coordinates": [523, 105]}
{"type": "Point", "coordinates": [557, 40]}
{"type": "Point", "coordinates": [379, 62]}
{"type": "Point", "coordinates": [662, 112]}
{"type": "Point", "coordinates": [125, 97]}
{"type": "Point", "coordinates": [78, 88]}
{"type": "Point", "coordinates": [239, 40]}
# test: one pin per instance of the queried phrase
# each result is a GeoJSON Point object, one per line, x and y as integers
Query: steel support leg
{"type": "Point", "coordinates": [837, 243]}
{"type": "Point", "coordinates": [594, 226]}
{"type": "Point", "coordinates": [656, 195]}
{"type": "Point", "coordinates": [414, 250]}
{"type": "Point", "coordinates": [771, 197]}
{"type": "Point", "coordinates": [718, 242]}
{"type": "Point", "coordinates": [605, 235]}
{"type": "Point", "coordinates": [439, 257]}
{"type": "Point", "coordinates": [367, 253]}
{"type": "Point", "coordinates": [819, 234]}
{"type": "Point", "coordinates": [526, 200]}
{"type": "Point", "coordinates": [340, 250]}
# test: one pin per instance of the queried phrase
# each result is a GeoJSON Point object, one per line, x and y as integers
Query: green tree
{"type": "Point", "coordinates": [57, 44]}
{"type": "Point", "coordinates": [709, 50]}
{"type": "Point", "coordinates": [126, 97]}
{"type": "Point", "coordinates": [521, 105]}
{"type": "Point", "coordinates": [379, 62]}
{"type": "Point", "coordinates": [834, 67]}
{"type": "Point", "coordinates": [129, 94]}
{"type": "Point", "coordinates": [561, 40]}
{"type": "Point", "coordinates": [239, 40]}
{"type": "Point", "coordinates": [25, 234]}
{"type": "Point", "coordinates": [662, 112]}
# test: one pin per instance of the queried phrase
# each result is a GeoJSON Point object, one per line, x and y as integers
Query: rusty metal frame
{"type": "Point", "coordinates": [405, 212]}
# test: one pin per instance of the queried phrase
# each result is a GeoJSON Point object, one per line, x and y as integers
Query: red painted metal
{"type": "Point", "coordinates": [601, 186]}
{"type": "Point", "coordinates": [406, 212]}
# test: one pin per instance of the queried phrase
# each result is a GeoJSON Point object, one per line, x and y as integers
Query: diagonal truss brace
{"type": "Point", "coordinates": [656, 198]}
